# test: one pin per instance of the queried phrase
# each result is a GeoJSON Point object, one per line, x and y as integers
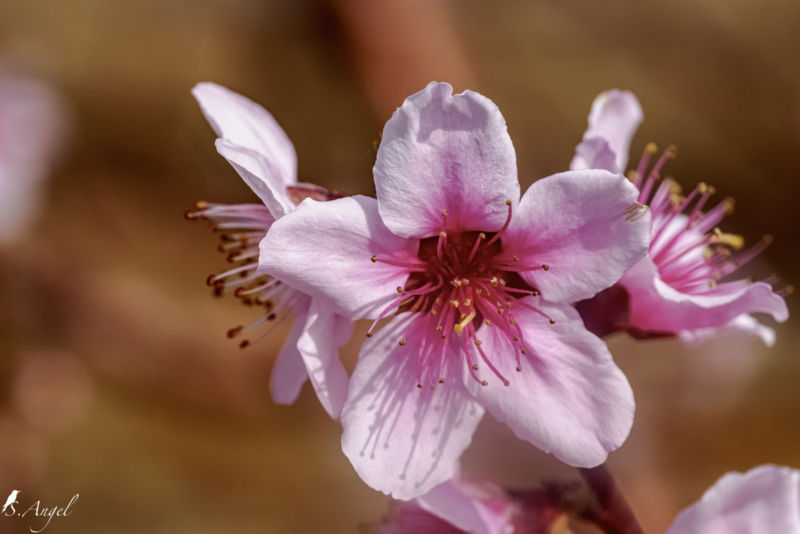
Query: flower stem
{"type": "Point", "coordinates": [611, 511]}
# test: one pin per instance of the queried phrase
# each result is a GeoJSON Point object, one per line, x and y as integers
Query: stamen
{"type": "Point", "coordinates": [502, 230]}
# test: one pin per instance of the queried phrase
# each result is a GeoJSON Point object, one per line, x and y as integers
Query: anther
{"type": "Point", "coordinates": [508, 202]}
{"type": "Point", "coordinates": [545, 267]}
{"type": "Point", "coordinates": [374, 259]}
{"type": "Point", "coordinates": [233, 332]}
{"type": "Point", "coordinates": [271, 317]}
{"type": "Point", "coordinates": [399, 289]}
{"type": "Point", "coordinates": [481, 236]}
{"type": "Point", "coordinates": [516, 338]}
{"type": "Point", "coordinates": [671, 151]}
{"type": "Point", "coordinates": [515, 258]}
{"type": "Point", "coordinates": [210, 280]}
{"type": "Point", "coordinates": [369, 334]}
{"type": "Point", "coordinates": [519, 368]}
{"type": "Point", "coordinates": [484, 383]}
{"type": "Point", "coordinates": [244, 344]}
{"type": "Point", "coordinates": [474, 366]}
{"type": "Point", "coordinates": [201, 205]}
{"type": "Point", "coordinates": [552, 321]}
{"type": "Point", "coordinates": [478, 342]}
{"type": "Point", "coordinates": [487, 322]}
{"type": "Point", "coordinates": [441, 380]}
{"type": "Point", "coordinates": [419, 386]}
{"type": "Point", "coordinates": [651, 148]}
{"type": "Point", "coordinates": [506, 383]}
{"type": "Point", "coordinates": [524, 351]}
{"type": "Point", "coordinates": [402, 342]}
{"type": "Point", "coordinates": [444, 213]}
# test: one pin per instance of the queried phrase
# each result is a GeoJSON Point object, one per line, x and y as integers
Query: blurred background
{"type": "Point", "coordinates": [116, 379]}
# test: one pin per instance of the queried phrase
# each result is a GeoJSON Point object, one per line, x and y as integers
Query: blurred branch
{"type": "Point", "coordinates": [399, 46]}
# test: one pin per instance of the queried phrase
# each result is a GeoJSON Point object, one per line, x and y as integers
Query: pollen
{"type": "Point", "coordinates": [374, 259]}
{"type": "Point", "coordinates": [458, 328]}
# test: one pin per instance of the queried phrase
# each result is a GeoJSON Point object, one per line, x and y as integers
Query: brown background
{"type": "Point", "coordinates": [116, 380]}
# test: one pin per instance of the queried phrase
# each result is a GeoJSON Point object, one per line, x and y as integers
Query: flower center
{"type": "Point", "coordinates": [461, 282]}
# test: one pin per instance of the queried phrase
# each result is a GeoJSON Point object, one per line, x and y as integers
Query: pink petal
{"type": "Point", "coordinates": [570, 398]}
{"type": "Point", "coordinates": [401, 439]}
{"type": "Point", "coordinates": [242, 122]}
{"type": "Point", "coordinates": [257, 172]}
{"type": "Point", "coordinates": [461, 504]}
{"type": "Point", "coordinates": [323, 335]}
{"type": "Point", "coordinates": [444, 152]}
{"type": "Point", "coordinates": [289, 373]}
{"type": "Point", "coordinates": [407, 517]}
{"type": "Point", "coordinates": [613, 120]}
{"type": "Point", "coordinates": [744, 323]}
{"type": "Point", "coordinates": [586, 226]}
{"type": "Point", "coordinates": [765, 500]}
{"type": "Point", "coordinates": [324, 249]}
{"type": "Point", "coordinates": [654, 305]}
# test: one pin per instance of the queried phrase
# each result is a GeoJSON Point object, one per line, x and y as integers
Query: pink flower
{"type": "Point", "coordinates": [683, 286]}
{"type": "Point", "coordinates": [765, 500]}
{"type": "Point", "coordinates": [476, 282]}
{"type": "Point", "coordinates": [454, 506]}
{"type": "Point", "coordinates": [33, 124]}
{"type": "Point", "coordinates": [260, 151]}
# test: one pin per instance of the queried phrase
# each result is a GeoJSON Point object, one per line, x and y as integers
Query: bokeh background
{"type": "Point", "coordinates": [116, 378]}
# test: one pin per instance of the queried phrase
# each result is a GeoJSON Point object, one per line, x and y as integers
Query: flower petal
{"type": "Point", "coordinates": [586, 226]}
{"type": "Point", "coordinates": [613, 120]}
{"type": "Point", "coordinates": [401, 439]}
{"type": "Point", "coordinates": [461, 504]}
{"type": "Point", "coordinates": [324, 249]}
{"type": "Point", "coordinates": [654, 305]}
{"type": "Point", "coordinates": [256, 171]}
{"type": "Point", "coordinates": [441, 151]}
{"type": "Point", "coordinates": [765, 500]}
{"type": "Point", "coordinates": [243, 122]}
{"type": "Point", "coordinates": [323, 335]}
{"type": "Point", "coordinates": [570, 398]}
{"type": "Point", "coordinates": [288, 373]}
{"type": "Point", "coordinates": [743, 323]}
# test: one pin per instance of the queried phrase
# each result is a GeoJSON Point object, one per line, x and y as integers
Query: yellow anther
{"type": "Point", "coordinates": [444, 213]}
{"type": "Point", "coordinates": [474, 366]}
{"type": "Point", "coordinates": [731, 240]}
{"type": "Point", "coordinates": [454, 303]}
{"type": "Point", "coordinates": [481, 236]}
{"type": "Point", "coordinates": [439, 328]}
{"type": "Point", "coordinates": [502, 282]}
{"type": "Point", "coordinates": [494, 281]}
{"type": "Point", "coordinates": [712, 284]}
{"type": "Point", "coordinates": [441, 380]}
{"type": "Point", "coordinates": [442, 234]}
{"type": "Point", "coordinates": [478, 342]}
{"type": "Point", "coordinates": [459, 327]}
{"type": "Point", "coordinates": [545, 267]}
{"type": "Point", "coordinates": [468, 302]}
{"type": "Point", "coordinates": [651, 148]}
{"type": "Point", "coordinates": [515, 258]}
{"type": "Point", "coordinates": [374, 259]}
{"type": "Point", "coordinates": [402, 342]}
{"type": "Point", "coordinates": [508, 202]}
{"type": "Point", "coordinates": [487, 322]}
{"type": "Point", "coordinates": [512, 320]}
